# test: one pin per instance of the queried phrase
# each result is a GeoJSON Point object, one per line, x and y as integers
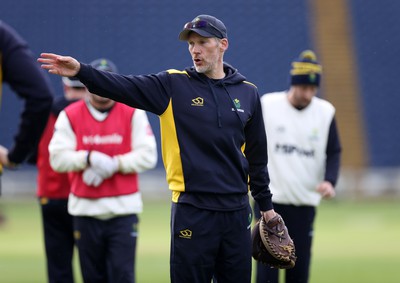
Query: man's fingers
{"type": "Point", "coordinates": [58, 65]}
{"type": "Point", "coordinates": [45, 60]}
{"type": "Point", "coordinates": [50, 68]}
{"type": "Point", "coordinates": [54, 72]}
{"type": "Point", "coordinates": [327, 192]}
{"type": "Point", "coordinates": [50, 58]}
{"type": "Point", "coordinates": [47, 63]}
{"type": "Point", "coordinates": [49, 55]}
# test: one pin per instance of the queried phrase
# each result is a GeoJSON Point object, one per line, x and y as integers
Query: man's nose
{"type": "Point", "coordinates": [196, 49]}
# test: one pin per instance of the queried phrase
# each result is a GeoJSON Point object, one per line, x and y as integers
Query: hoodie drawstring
{"type": "Point", "coordinates": [216, 103]}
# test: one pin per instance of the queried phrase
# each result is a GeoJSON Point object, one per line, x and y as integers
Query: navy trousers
{"type": "Point", "coordinates": [299, 221]}
{"type": "Point", "coordinates": [107, 248]}
{"type": "Point", "coordinates": [207, 243]}
{"type": "Point", "coordinates": [58, 239]}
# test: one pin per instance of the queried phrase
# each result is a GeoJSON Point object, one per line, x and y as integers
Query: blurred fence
{"type": "Point", "coordinates": [369, 182]}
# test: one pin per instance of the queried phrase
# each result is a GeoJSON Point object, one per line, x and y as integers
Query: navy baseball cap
{"type": "Point", "coordinates": [206, 26]}
{"type": "Point", "coordinates": [104, 64]}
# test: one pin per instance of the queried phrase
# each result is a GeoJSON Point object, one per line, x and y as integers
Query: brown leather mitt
{"type": "Point", "coordinates": [272, 244]}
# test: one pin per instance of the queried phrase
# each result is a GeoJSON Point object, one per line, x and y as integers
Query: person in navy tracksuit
{"type": "Point", "coordinates": [214, 150]}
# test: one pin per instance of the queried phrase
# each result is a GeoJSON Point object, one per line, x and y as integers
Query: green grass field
{"type": "Point", "coordinates": [354, 242]}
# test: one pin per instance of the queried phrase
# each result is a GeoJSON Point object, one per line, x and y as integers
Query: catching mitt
{"type": "Point", "coordinates": [272, 244]}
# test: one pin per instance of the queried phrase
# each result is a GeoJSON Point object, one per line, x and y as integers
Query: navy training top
{"type": "Point", "coordinates": [213, 138]}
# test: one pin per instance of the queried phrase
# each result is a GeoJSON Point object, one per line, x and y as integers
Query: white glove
{"type": "Point", "coordinates": [102, 164]}
{"type": "Point", "coordinates": [91, 178]}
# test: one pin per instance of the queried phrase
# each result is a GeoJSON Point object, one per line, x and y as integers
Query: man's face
{"type": "Point", "coordinates": [79, 91]}
{"type": "Point", "coordinates": [100, 102]}
{"type": "Point", "coordinates": [206, 52]}
{"type": "Point", "coordinates": [303, 94]}
{"type": "Point", "coordinates": [72, 93]}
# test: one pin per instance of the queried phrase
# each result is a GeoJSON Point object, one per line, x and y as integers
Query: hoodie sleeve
{"type": "Point", "coordinates": [21, 71]}
{"type": "Point", "coordinates": [257, 156]}
{"type": "Point", "coordinates": [146, 92]}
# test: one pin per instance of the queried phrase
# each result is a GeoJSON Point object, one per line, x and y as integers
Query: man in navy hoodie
{"type": "Point", "coordinates": [214, 149]}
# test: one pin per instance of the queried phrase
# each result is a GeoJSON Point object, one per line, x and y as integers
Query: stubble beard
{"type": "Point", "coordinates": [205, 69]}
{"type": "Point", "coordinates": [202, 69]}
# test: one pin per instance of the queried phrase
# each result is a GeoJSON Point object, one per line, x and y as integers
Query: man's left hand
{"type": "Point", "coordinates": [326, 190]}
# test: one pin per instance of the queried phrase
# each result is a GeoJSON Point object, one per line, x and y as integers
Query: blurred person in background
{"type": "Point", "coordinates": [103, 145]}
{"type": "Point", "coordinates": [20, 70]}
{"type": "Point", "coordinates": [53, 189]}
{"type": "Point", "coordinates": [214, 150]}
{"type": "Point", "coordinates": [304, 153]}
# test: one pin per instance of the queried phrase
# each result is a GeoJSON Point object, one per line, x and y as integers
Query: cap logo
{"type": "Point", "coordinates": [103, 62]}
{"type": "Point", "coordinates": [312, 77]}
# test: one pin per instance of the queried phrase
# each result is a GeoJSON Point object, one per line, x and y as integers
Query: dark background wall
{"type": "Point", "coordinates": [376, 34]}
{"type": "Point", "coordinates": [265, 36]}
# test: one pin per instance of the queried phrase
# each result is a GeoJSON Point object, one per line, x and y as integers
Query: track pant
{"type": "Point", "coordinates": [107, 248]}
{"type": "Point", "coordinates": [299, 221]}
{"type": "Point", "coordinates": [207, 243]}
{"type": "Point", "coordinates": [58, 239]}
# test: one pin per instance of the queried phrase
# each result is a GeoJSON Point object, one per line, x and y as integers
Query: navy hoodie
{"type": "Point", "coordinates": [213, 138]}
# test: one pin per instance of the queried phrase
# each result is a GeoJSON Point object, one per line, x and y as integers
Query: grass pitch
{"type": "Point", "coordinates": [354, 242]}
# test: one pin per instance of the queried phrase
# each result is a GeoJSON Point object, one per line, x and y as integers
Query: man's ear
{"type": "Point", "coordinates": [224, 44]}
